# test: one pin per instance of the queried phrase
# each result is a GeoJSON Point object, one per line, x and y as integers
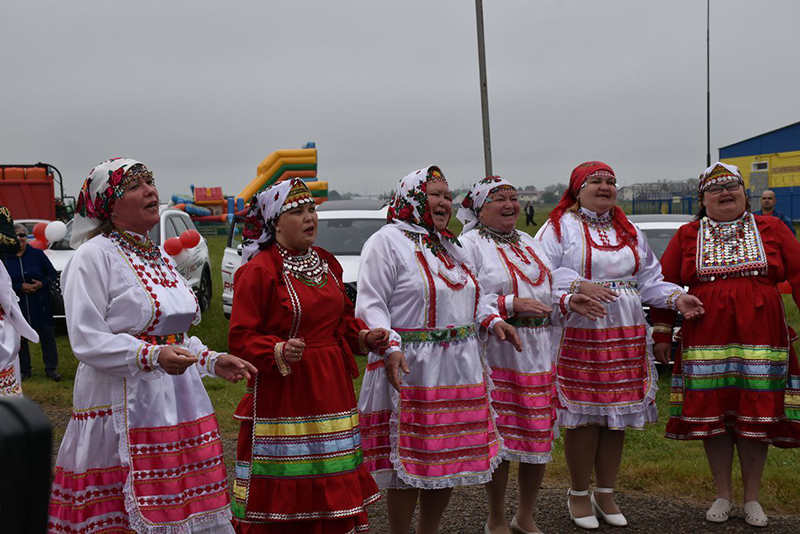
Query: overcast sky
{"type": "Point", "coordinates": [202, 91]}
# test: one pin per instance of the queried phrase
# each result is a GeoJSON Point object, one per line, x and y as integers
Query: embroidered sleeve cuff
{"type": "Point", "coordinates": [145, 363]}
{"type": "Point", "coordinates": [362, 342]}
{"type": "Point", "coordinates": [207, 361]}
{"type": "Point", "coordinates": [574, 287]}
{"type": "Point", "coordinates": [672, 299]}
{"type": "Point", "coordinates": [505, 304]}
{"type": "Point", "coordinates": [280, 360]}
{"type": "Point", "coordinates": [563, 304]}
{"type": "Point", "coordinates": [394, 346]}
{"type": "Point", "coordinates": [662, 333]}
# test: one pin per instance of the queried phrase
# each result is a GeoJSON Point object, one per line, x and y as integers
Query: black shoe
{"type": "Point", "coordinates": [53, 375]}
{"type": "Point", "coordinates": [25, 375]}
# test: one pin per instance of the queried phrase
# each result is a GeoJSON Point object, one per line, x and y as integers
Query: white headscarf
{"type": "Point", "coordinates": [470, 210]}
{"type": "Point", "coordinates": [100, 191]}
{"type": "Point", "coordinates": [265, 208]}
{"type": "Point", "coordinates": [408, 210]}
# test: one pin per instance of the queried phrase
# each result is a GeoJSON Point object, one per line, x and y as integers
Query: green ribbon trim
{"type": "Point", "coordinates": [446, 335]}
{"type": "Point", "coordinates": [738, 381]}
{"type": "Point", "coordinates": [238, 509]}
{"type": "Point", "coordinates": [529, 322]}
{"type": "Point", "coordinates": [736, 351]}
{"type": "Point", "coordinates": [307, 467]}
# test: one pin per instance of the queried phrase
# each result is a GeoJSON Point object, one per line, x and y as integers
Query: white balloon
{"type": "Point", "coordinates": [55, 231]}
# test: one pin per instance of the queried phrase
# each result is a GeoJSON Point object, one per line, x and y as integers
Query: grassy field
{"type": "Point", "coordinates": [651, 463]}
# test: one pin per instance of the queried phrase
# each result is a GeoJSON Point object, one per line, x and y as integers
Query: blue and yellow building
{"type": "Point", "coordinates": [770, 161]}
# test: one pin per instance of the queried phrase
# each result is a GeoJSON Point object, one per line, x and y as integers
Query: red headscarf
{"type": "Point", "coordinates": [580, 174]}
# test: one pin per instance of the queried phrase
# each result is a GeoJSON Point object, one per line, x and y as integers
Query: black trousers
{"type": "Point", "coordinates": [47, 338]}
{"type": "Point", "coordinates": [529, 220]}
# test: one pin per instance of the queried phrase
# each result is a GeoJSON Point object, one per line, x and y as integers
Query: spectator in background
{"type": "Point", "coordinates": [768, 208]}
{"type": "Point", "coordinates": [529, 214]}
{"type": "Point", "coordinates": [31, 275]}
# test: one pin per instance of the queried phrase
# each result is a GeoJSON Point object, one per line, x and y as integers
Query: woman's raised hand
{"type": "Point", "coordinates": [293, 350]}
{"type": "Point", "coordinates": [506, 332]}
{"type": "Point", "coordinates": [175, 360]}
{"type": "Point", "coordinates": [395, 362]}
{"type": "Point", "coordinates": [690, 306]}
{"type": "Point", "coordinates": [232, 368]}
{"type": "Point", "coordinates": [597, 292]}
{"type": "Point", "coordinates": [378, 339]}
{"type": "Point", "coordinates": [531, 307]}
{"type": "Point", "coordinates": [587, 306]}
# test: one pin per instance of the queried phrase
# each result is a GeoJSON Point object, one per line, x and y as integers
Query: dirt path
{"type": "Point", "coordinates": [467, 511]}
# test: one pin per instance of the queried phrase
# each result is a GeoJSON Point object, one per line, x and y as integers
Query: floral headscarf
{"type": "Point", "coordinates": [408, 210]}
{"type": "Point", "coordinates": [718, 173]}
{"type": "Point", "coordinates": [470, 210]}
{"type": "Point", "coordinates": [265, 208]}
{"type": "Point", "coordinates": [9, 243]}
{"type": "Point", "coordinates": [100, 191]}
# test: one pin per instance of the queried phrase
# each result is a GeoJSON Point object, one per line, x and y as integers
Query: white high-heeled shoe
{"type": "Point", "coordinates": [615, 520]}
{"type": "Point", "coordinates": [589, 522]}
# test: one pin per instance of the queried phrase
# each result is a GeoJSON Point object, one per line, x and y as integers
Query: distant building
{"type": "Point", "coordinates": [770, 161]}
{"type": "Point", "coordinates": [529, 196]}
{"type": "Point", "coordinates": [625, 193]}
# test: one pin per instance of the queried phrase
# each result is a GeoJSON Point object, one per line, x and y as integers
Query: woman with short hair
{"type": "Point", "coordinates": [736, 378]}
{"type": "Point", "coordinates": [32, 275]}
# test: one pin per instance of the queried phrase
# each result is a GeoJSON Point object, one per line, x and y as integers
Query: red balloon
{"type": "Point", "coordinates": [173, 246]}
{"type": "Point", "coordinates": [37, 243]}
{"type": "Point", "coordinates": [190, 238]}
{"type": "Point", "coordinates": [38, 231]}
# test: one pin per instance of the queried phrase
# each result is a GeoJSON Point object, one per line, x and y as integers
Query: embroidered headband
{"type": "Point", "coordinates": [718, 173]}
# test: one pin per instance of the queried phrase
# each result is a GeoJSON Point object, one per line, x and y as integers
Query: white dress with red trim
{"type": "Point", "coordinates": [508, 266]}
{"type": "Point", "coordinates": [142, 451]}
{"type": "Point", "coordinates": [605, 370]}
{"type": "Point", "coordinates": [11, 323]}
{"type": "Point", "coordinates": [439, 431]}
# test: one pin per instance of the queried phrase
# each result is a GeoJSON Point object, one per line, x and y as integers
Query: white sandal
{"type": "Point", "coordinates": [615, 520]}
{"type": "Point", "coordinates": [720, 511]}
{"type": "Point", "coordinates": [754, 515]}
{"type": "Point", "coordinates": [589, 522]}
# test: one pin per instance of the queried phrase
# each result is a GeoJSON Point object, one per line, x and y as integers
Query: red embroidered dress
{"type": "Point", "coordinates": [737, 367]}
{"type": "Point", "coordinates": [299, 460]}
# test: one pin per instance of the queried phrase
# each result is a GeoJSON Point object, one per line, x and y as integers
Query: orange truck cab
{"type": "Point", "coordinates": [29, 192]}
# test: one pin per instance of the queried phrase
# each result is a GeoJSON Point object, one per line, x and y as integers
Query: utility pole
{"type": "Point", "coordinates": [487, 142]}
{"type": "Point", "coordinates": [708, 83]}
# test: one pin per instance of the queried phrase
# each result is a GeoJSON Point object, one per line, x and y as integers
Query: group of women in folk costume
{"type": "Point", "coordinates": [480, 348]}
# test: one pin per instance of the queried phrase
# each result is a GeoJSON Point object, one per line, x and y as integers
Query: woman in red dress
{"type": "Point", "coordinates": [299, 458]}
{"type": "Point", "coordinates": [736, 380]}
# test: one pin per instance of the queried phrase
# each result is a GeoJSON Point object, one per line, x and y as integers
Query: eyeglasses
{"type": "Point", "coordinates": [716, 189]}
{"type": "Point", "coordinates": [22, 235]}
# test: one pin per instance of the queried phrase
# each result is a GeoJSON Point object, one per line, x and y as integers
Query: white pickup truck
{"type": "Point", "coordinates": [344, 227]}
